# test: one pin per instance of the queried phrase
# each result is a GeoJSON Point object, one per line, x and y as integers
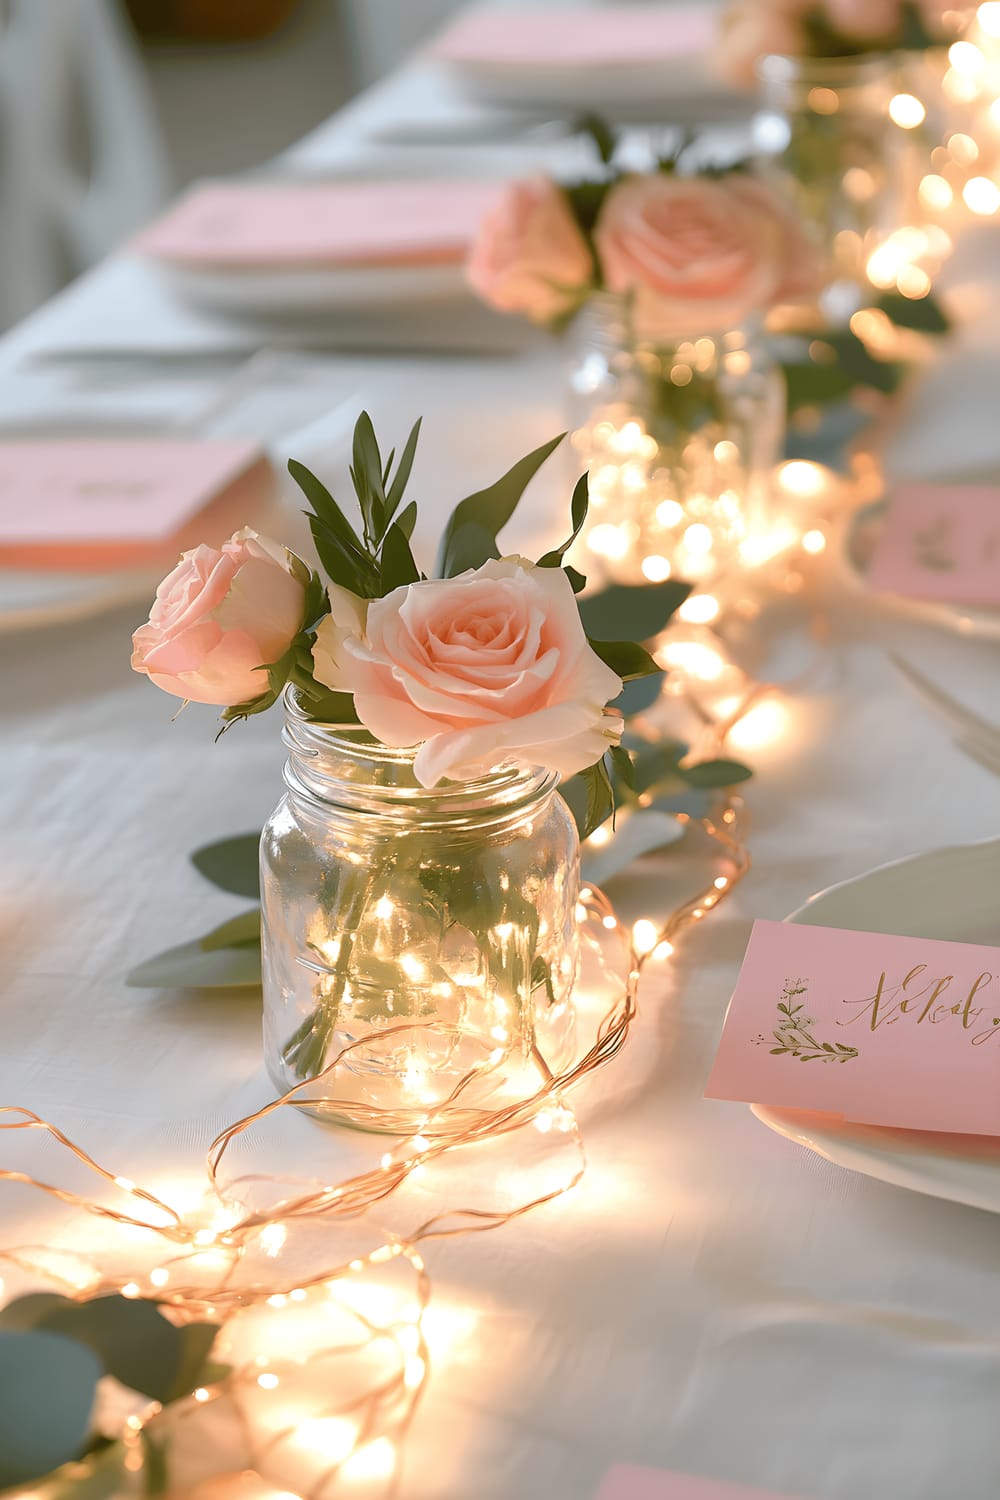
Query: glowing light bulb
{"type": "Point", "coordinates": [375, 1460]}
{"type": "Point", "coordinates": [962, 148]}
{"type": "Point", "coordinates": [412, 966]}
{"type": "Point", "coordinates": [126, 1184]}
{"type": "Point", "coordinates": [272, 1239]}
{"type": "Point", "coordinates": [906, 111]}
{"type": "Point", "coordinates": [663, 950]}
{"type": "Point", "coordinates": [609, 923]}
{"type": "Point", "coordinates": [644, 935]}
{"type": "Point", "coordinates": [131, 1290]}
{"type": "Point", "coordinates": [801, 478]}
{"type": "Point", "coordinates": [913, 281]}
{"type": "Point", "coordinates": [669, 512]}
{"type": "Point", "coordinates": [814, 541]}
{"type": "Point", "coordinates": [699, 609]}
{"type": "Point", "coordinates": [608, 541]}
{"type": "Point", "coordinates": [268, 1381]}
{"type": "Point", "coordinates": [330, 1437]}
{"type": "Point", "coordinates": [936, 192]}
{"type": "Point", "coordinates": [988, 16]}
{"type": "Point", "coordinates": [159, 1277]}
{"type": "Point", "coordinates": [698, 539]}
{"type": "Point", "coordinates": [600, 837]}
{"type": "Point", "coordinates": [656, 568]}
{"type": "Point", "coordinates": [764, 724]}
{"type": "Point", "coordinates": [384, 908]}
{"type": "Point", "coordinates": [982, 196]}
{"type": "Point", "coordinates": [965, 57]}
{"type": "Point", "coordinates": [543, 1123]}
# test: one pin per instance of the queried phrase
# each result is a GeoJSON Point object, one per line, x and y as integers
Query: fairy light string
{"type": "Point", "coordinates": [237, 1267]}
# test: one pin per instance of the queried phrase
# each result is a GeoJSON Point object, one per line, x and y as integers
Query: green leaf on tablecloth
{"type": "Point", "coordinates": [131, 1338]}
{"type": "Point", "coordinates": [627, 658]}
{"type": "Point", "coordinates": [924, 314]}
{"type": "Point", "coordinates": [192, 966]}
{"type": "Point", "coordinates": [48, 1384]}
{"type": "Point", "coordinates": [639, 611]}
{"type": "Point", "coordinates": [578, 513]}
{"type": "Point", "coordinates": [232, 864]}
{"type": "Point", "coordinates": [470, 537]}
{"type": "Point", "coordinates": [238, 932]}
{"type": "Point", "coordinates": [640, 831]}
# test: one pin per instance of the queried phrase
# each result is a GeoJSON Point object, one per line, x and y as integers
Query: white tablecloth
{"type": "Point", "coordinates": [712, 1299]}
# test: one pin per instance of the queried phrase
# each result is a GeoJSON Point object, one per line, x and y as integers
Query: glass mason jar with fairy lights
{"type": "Point", "coordinates": [427, 938]}
{"type": "Point", "coordinates": [828, 134]}
{"type": "Point", "coordinates": [679, 438]}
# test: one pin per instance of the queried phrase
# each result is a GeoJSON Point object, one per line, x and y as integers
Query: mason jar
{"type": "Point", "coordinates": [429, 936]}
{"type": "Point", "coordinates": [679, 438]}
{"type": "Point", "coordinates": [826, 136]}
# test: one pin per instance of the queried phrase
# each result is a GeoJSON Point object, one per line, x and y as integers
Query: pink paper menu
{"type": "Point", "coordinates": [603, 37]}
{"type": "Point", "coordinates": [941, 542]}
{"type": "Point", "coordinates": [882, 1030]}
{"type": "Point", "coordinates": [328, 223]}
{"type": "Point", "coordinates": [630, 1482]}
{"type": "Point", "coordinates": [79, 503]}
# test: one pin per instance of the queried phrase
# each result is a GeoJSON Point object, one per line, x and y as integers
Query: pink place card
{"type": "Point", "coordinates": [603, 37]}
{"type": "Point", "coordinates": [316, 224]}
{"type": "Point", "coordinates": [631, 1482]}
{"type": "Point", "coordinates": [73, 503]}
{"type": "Point", "coordinates": [881, 1030]}
{"type": "Point", "coordinates": [941, 542]}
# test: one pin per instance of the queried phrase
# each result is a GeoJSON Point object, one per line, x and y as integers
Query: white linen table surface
{"type": "Point", "coordinates": [712, 1299]}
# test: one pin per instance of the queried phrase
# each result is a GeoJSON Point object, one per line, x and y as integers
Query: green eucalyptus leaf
{"type": "Point", "coordinates": [232, 864]}
{"type": "Point", "coordinates": [131, 1338]}
{"type": "Point", "coordinates": [577, 580]}
{"type": "Point", "coordinates": [48, 1384]}
{"type": "Point", "coordinates": [711, 774]}
{"type": "Point", "coordinates": [627, 658]}
{"type": "Point", "coordinates": [830, 441]}
{"type": "Point", "coordinates": [590, 797]}
{"type": "Point", "coordinates": [621, 763]}
{"type": "Point", "coordinates": [401, 478]}
{"type": "Point", "coordinates": [638, 695]}
{"type": "Point", "coordinates": [326, 510]}
{"type": "Point", "coordinates": [578, 514]}
{"type": "Point", "coordinates": [640, 831]}
{"type": "Point", "coordinates": [406, 520]}
{"type": "Point", "coordinates": [639, 612]}
{"type": "Point", "coordinates": [190, 966]}
{"type": "Point", "coordinates": [398, 567]}
{"type": "Point", "coordinates": [489, 511]}
{"type": "Point", "coordinates": [924, 314]}
{"type": "Point", "coordinates": [238, 932]}
{"type": "Point", "coordinates": [366, 472]}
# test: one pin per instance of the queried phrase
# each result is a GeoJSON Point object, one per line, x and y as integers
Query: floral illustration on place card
{"type": "Point", "coordinates": [917, 1018]}
{"type": "Point", "coordinates": [940, 542]}
{"type": "Point", "coordinates": [793, 1036]}
{"type": "Point", "coordinates": [637, 1482]}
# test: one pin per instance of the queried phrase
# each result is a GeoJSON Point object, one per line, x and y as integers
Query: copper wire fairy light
{"type": "Point", "coordinates": [243, 1237]}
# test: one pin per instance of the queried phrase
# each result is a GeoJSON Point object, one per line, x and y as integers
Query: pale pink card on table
{"type": "Point", "coordinates": [84, 503]}
{"type": "Point", "coordinates": [632, 1482]}
{"type": "Point", "coordinates": [881, 1030]}
{"type": "Point", "coordinates": [605, 37]}
{"type": "Point", "coordinates": [941, 542]}
{"type": "Point", "coordinates": [316, 224]}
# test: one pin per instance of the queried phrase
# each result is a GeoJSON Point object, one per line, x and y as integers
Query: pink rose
{"type": "Point", "coordinates": [218, 618]}
{"type": "Point", "coordinates": [488, 667]}
{"type": "Point", "coordinates": [530, 257]}
{"type": "Point", "coordinates": [700, 254]}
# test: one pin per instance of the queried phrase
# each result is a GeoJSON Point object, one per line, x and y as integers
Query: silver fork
{"type": "Point", "coordinates": [979, 739]}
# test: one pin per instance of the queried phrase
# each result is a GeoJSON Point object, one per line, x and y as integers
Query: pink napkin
{"type": "Point", "coordinates": [331, 223]}
{"type": "Point", "coordinates": [941, 542]}
{"type": "Point", "coordinates": [81, 504]}
{"type": "Point", "coordinates": [552, 38]}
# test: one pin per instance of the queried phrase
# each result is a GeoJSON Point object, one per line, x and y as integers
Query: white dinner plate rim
{"type": "Point", "coordinates": [269, 291]}
{"type": "Point", "coordinates": [898, 1158]}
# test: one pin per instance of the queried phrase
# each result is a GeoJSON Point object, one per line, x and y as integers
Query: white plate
{"type": "Point", "coordinates": [948, 893]}
{"type": "Point", "coordinates": [265, 293]}
{"type": "Point", "coordinates": [962, 618]}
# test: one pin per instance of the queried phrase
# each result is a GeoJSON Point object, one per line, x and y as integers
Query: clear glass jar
{"type": "Point", "coordinates": [825, 134]}
{"type": "Point", "coordinates": [680, 440]}
{"type": "Point", "coordinates": [432, 932]}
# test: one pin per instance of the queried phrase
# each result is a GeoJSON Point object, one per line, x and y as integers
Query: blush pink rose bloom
{"type": "Point", "coordinates": [701, 254]}
{"type": "Point", "coordinates": [530, 257]}
{"type": "Point", "coordinates": [218, 618]}
{"type": "Point", "coordinates": [865, 19]}
{"type": "Point", "coordinates": [490, 667]}
{"type": "Point", "coordinates": [753, 30]}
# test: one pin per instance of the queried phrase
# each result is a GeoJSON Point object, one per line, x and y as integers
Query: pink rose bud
{"type": "Point", "coordinates": [219, 618]}
{"type": "Point", "coordinates": [864, 19]}
{"type": "Point", "coordinates": [530, 256]}
{"type": "Point", "coordinates": [754, 30]}
{"type": "Point", "coordinates": [700, 254]}
{"type": "Point", "coordinates": [487, 668]}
